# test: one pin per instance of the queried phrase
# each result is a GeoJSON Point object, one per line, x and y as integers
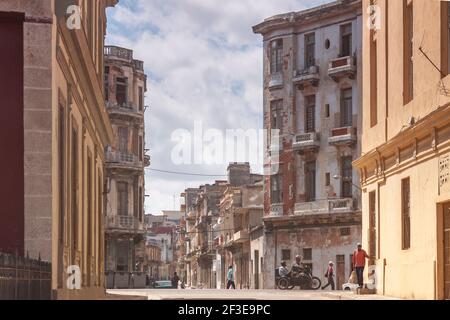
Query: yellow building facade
{"type": "Point", "coordinates": [65, 130]}
{"type": "Point", "coordinates": [405, 160]}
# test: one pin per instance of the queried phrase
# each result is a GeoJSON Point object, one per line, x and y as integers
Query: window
{"type": "Point", "coordinates": [445, 38]}
{"type": "Point", "coordinates": [408, 52]}
{"type": "Point", "coordinates": [346, 40]}
{"type": "Point", "coordinates": [347, 107]}
{"type": "Point", "coordinates": [347, 177]}
{"type": "Point", "coordinates": [141, 149]}
{"type": "Point", "coordinates": [307, 254]}
{"type": "Point", "coordinates": [276, 122]}
{"type": "Point", "coordinates": [373, 80]}
{"type": "Point", "coordinates": [310, 103]}
{"type": "Point", "coordinates": [276, 56]}
{"type": "Point", "coordinates": [406, 214]}
{"type": "Point", "coordinates": [74, 192]}
{"type": "Point", "coordinates": [106, 83]}
{"type": "Point", "coordinates": [327, 111]}
{"type": "Point", "coordinates": [345, 232]}
{"type": "Point", "coordinates": [327, 179]}
{"type": "Point", "coordinates": [310, 48]}
{"type": "Point", "coordinates": [141, 202]}
{"type": "Point", "coordinates": [61, 167]}
{"type": "Point", "coordinates": [141, 99]}
{"type": "Point", "coordinates": [121, 91]}
{"type": "Point", "coordinates": [123, 139]}
{"type": "Point", "coordinates": [286, 255]}
{"type": "Point", "coordinates": [372, 226]}
{"type": "Point", "coordinates": [276, 182]}
{"type": "Point", "coordinates": [122, 198]}
{"type": "Point", "coordinates": [310, 181]}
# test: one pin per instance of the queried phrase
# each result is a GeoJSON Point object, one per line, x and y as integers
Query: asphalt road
{"type": "Point", "coordinates": [207, 294]}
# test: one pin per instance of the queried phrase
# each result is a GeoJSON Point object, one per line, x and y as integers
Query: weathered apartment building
{"type": "Point", "coordinates": [406, 143]}
{"type": "Point", "coordinates": [161, 230]}
{"type": "Point", "coordinates": [53, 134]}
{"type": "Point", "coordinates": [312, 95]}
{"type": "Point", "coordinates": [216, 231]}
{"type": "Point", "coordinates": [241, 212]}
{"type": "Point", "coordinates": [125, 84]}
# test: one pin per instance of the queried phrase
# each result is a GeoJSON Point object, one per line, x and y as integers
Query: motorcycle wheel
{"type": "Point", "coordinates": [315, 283]}
{"type": "Point", "coordinates": [283, 283]}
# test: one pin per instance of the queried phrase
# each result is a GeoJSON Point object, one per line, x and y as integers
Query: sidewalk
{"type": "Point", "coordinates": [349, 295]}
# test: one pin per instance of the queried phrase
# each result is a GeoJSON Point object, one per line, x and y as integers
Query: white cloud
{"type": "Point", "coordinates": [204, 63]}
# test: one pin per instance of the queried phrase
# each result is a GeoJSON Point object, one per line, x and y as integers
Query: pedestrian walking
{"type": "Point", "coordinates": [330, 276]}
{"type": "Point", "coordinates": [359, 263]}
{"type": "Point", "coordinates": [230, 278]}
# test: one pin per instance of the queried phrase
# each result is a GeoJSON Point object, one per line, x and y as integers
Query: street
{"type": "Point", "coordinates": [208, 294]}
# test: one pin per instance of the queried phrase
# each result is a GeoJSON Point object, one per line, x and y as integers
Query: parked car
{"type": "Point", "coordinates": [166, 284]}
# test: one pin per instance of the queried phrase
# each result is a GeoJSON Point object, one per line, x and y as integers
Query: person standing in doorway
{"type": "Point", "coordinates": [175, 281]}
{"type": "Point", "coordinates": [359, 263]}
{"type": "Point", "coordinates": [230, 278]}
{"type": "Point", "coordinates": [330, 276]}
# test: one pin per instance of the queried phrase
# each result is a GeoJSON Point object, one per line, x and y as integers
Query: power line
{"type": "Point", "coordinates": [187, 173]}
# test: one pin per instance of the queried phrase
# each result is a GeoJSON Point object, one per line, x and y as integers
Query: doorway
{"type": "Point", "coordinates": [340, 271]}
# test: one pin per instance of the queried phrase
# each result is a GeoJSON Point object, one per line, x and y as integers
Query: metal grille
{"type": "Point", "coordinates": [24, 279]}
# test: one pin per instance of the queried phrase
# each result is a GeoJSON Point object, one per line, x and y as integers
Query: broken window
{"type": "Point", "coordinates": [121, 91]}
{"type": "Point", "coordinates": [347, 177]}
{"type": "Point", "coordinates": [276, 56]}
{"type": "Point", "coordinates": [346, 40]}
{"type": "Point", "coordinates": [310, 125]}
{"type": "Point", "coordinates": [347, 107]}
{"type": "Point", "coordinates": [310, 50]}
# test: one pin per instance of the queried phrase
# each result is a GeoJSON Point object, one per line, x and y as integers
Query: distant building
{"type": "Point", "coordinates": [125, 86]}
{"type": "Point", "coordinates": [312, 97]}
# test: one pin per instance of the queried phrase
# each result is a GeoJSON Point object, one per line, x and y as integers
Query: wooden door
{"type": "Point", "coordinates": [340, 271]}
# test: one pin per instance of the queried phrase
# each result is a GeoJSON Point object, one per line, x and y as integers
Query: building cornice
{"type": "Point", "coordinates": [295, 19]}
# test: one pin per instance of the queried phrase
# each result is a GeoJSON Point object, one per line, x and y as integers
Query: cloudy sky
{"type": "Point", "coordinates": [204, 65]}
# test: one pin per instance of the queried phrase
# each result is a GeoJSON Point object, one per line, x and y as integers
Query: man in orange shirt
{"type": "Point", "coordinates": [359, 263]}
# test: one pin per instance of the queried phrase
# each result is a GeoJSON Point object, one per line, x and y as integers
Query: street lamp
{"type": "Point", "coordinates": [338, 177]}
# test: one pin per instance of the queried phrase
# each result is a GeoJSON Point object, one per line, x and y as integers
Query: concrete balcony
{"type": "Point", "coordinates": [119, 53]}
{"type": "Point", "coordinates": [345, 136]}
{"type": "Point", "coordinates": [241, 236]}
{"type": "Point", "coordinates": [323, 207]}
{"type": "Point", "coordinates": [307, 77]}
{"type": "Point", "coordinates": [276, 210]}
{"type": "Point", "coordinates": [122, 160]}
{"type": "Point", "coordinates": [306, 142]}
{"type": "Point", "coordinates": [342, 67]}
{"type": "Point", "coordinates": [276, 80]}
{"type": "Point", "coordinates": [123, 54]}
{"type": "Point", "coordinates": [125, 110]}
{"type": "Point", "coordinates": [125, 224]}
{"type": "Point", "coordinates": [147, 161]}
